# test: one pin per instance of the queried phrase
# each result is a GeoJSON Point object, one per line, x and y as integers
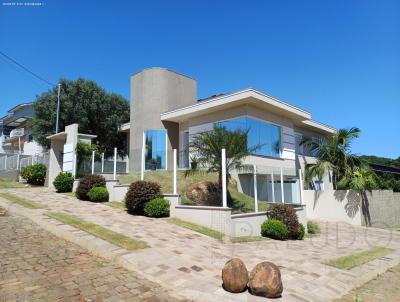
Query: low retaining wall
{"type": "Point", "coordinates": [248, 224]}
{"type": "Point", "coordinates": [376, 208]}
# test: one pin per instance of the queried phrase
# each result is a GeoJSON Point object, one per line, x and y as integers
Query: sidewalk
{"type": "Point", "coordinates": [189, 264]}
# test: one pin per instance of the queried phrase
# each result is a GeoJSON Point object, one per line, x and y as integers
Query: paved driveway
{"type": "Point", "coordinates": [37, 266]}
{"type": "Point", "coordinates": [190, 263]}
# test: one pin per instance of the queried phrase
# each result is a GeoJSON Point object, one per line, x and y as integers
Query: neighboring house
{"type": "Point", "coordinates": [165, 114]}
{"type": "Point", "coordinates": [15, 135]}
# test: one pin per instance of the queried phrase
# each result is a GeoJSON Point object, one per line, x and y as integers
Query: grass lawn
{"type": "Point", "coordinates": [98, 231]}
{"type": "Point", "coordinates": [70, 194]}
{"type": "Point", "coordinates": [115, 204]}
{"type": "Point", "coordinates": [244, 239]}
{"type": "Point", "coordinates": [356, 259]}
{"type": "Point", "coordinates": [9, 184]}
{"type": "Point", "coordinates": [22, 201]}
{"type": "Point", "coordinates": [241, 203]}
{"type": "Point", "coordinates": [197, 228]}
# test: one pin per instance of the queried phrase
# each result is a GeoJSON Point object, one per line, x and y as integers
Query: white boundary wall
{"type": "Point", "coordinates": [334, 205]}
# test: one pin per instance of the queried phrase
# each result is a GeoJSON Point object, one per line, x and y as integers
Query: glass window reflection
{"type": "Point", "coordinates": [264, 135]}
{"type": "Point", "coordinates": [155, 155]}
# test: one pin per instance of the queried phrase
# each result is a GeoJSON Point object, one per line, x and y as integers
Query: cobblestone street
{"type": "Point", "coordinates": [37, 266]}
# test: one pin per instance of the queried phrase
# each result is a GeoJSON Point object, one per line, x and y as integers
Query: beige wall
{"type": "Point", "coordinates": [155, 91]}
{"type": "Point", "coordinates": [333, 205]}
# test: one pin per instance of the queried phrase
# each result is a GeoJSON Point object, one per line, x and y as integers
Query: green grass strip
{"type": "Point", "coordinates": [98, 231]}
{"type": "Point", "coordinates": [115, 204]}
{"type": "Point", "coordinates": [10, 184]}
{"type": "Point", "coordinates": [243, 239]}
{"type": "Point", "coordinates": [356, 259]}
{"type": "Point", "coordinates": [22, 201]}
{"type": "Point", "coordinates": [197, 228]}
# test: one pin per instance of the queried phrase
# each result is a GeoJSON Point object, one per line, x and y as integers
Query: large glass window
{"type": "Point", "coordinates": [261, 134]}
{"type": "Point", "coordinates": [155, 156]}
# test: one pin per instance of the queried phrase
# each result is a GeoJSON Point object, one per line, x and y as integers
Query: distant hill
{"type": "Point", "coordinates": [384, 161]}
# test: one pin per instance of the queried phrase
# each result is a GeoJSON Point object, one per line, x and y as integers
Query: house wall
{"type": "Point", "coordinates": [155, 91]}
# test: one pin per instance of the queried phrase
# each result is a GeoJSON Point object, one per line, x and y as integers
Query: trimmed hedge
{"type": "Point", "coordinates": [274, 229]}
{"type": "Point", "coordinates": [88, 182]}
{"type": "Point", "coordinates": [98, 194]}
{"type": "Point", "coordinates": [286, 214]}
{"type": "Point", "coordinates": [313, 227]}
{"type": "Point", "coordinates": [139, 193]}
{"type": "Point", "coordinates": [34, 174]}
{"type": "Point", "coordinates": [64, 182]}
{"type": "Point", "coordinates": [158, 207]}
{"type": "Point", "coordinates": [301, 232]}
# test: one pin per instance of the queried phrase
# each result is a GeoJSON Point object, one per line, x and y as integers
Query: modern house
{"type": "Point", "coordinates": [166, 114]}
{"type": "Point", "coordinates": [15, 135]}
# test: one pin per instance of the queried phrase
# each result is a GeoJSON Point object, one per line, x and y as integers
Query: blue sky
{"type": "Point", "coordinates": [340, 60]}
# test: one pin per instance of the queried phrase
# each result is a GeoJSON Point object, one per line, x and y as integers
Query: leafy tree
{"type": "Point", "coordinates": [206, 148]}
{"type": "Point", "coordinates": [83, 102]}
{"type": "Point", "coordinates": [384, 161]}
{"type": "Point", "coordinates": [333, 154]}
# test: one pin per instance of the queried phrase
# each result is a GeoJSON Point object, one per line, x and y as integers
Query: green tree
{"type": "Point", "coordinates": [83, 102]}
{"type": "Point", "coordinates": [333, 154]}
{"type": "Point", "coordinates": [206, 149]}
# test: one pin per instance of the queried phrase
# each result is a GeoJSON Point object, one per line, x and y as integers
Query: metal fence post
{"type": "Point", "coordinates": [92, 162]}
{"type": "Point", "coordinates": [273, 186]}
{"type": "Point", "coordinates": [301, 186]}
{"type": "Point", "coordinates": [282, 189]}
{"type": "Point", "coordinates": [18, 162]}
{"type": "Point", "coordinates": [102, 162]}
{"type": "Point", "coordinates": [255, 188]}
{"type": "Point", "coordinates": [175, 160]}
{"type": "Point", "coordinates": [223, 161]}
{"type": "Point", "coordinates": [142, 166]}
{"type": "Point", "coordinates": [115, 164]}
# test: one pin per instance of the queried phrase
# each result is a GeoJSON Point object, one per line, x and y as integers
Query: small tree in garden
{"type": "Point", "coordinates": [333, 154]}
{"type": "Point", "coordinates": [206, 148]}
{"type": "Point", "coordinates": [84, 153]}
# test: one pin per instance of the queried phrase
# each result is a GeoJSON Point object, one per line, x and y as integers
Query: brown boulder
{"type": "Point", "coordinates": [204, 193]}
{"type": "Point", "coordinates": [265, 280]}
{"type": "Point", "coordinates": [235, 276]}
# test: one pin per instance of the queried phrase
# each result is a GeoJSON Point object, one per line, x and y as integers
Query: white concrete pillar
{"type": "Point", "coordinates": [143, 155]}
{"type": "Point", "coordinates": [175, 161]}
{"type": "Point", "coordinates": [102, 162]}
{"type": "Point", "coordinates": [301, 186]}
{"type": "Point", "coordinates": [223, 162]}
{"type": "Point", "coordinates": [92, 162]}
{"type": "Point", "coordinates": [74, 165]}
{"type": "Point", "coordinates": [18, 164]}
{"type": "Point", "coordinates": [282, 190]}
{"type": "Point", "coordinates": [273, 186]}
{"type": "Point", "coordinates": [255, 188]}
{"type": "Point", "coordinates": [115, 164]}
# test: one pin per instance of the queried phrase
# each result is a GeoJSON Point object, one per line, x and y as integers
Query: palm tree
{"type": "Point", "coordinates": [206, 149]}
{"type": "Point", "coordinates": [333, 154]}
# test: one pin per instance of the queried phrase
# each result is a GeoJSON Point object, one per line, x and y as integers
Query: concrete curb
{"type": "Point", "coordinates": [104, 250]}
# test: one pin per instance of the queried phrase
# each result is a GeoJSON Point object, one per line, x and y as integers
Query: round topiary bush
{"type": "Point", "coordinates": [98, 194]}
{"type": "Point", "coordinates": [286, 214]}
{"type": "Point", "coordinates": [64, 182]}
{"type": "Point", "coordinates": [301, 232]}
{"type": "Point", "coordinates": [34, 174]}
{"type": "Point", "coordinates": [88, 182]}
{"type": "Point", "coordinates": [139, 193]}
{"type": "Point", "coordinates": [158, 207]}
{"type": "Point", "coordinates": [274, 229]}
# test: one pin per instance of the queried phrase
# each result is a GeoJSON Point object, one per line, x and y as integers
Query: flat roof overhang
{"type": "Point", "coordinates": [63, 135]}
{"type": "Point", "coordinates": [244, 97]}
{"type": "Point", "coordinates": [247, 97]}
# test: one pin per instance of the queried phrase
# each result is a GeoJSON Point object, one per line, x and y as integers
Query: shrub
{"type": "Point", "coordinates": [312, 227]}
{"type": "Point", "coordinates": [286, 214]}
{"type": "Point", "coordinates": [158, 207]}
{"type": "Point", "coordinates": [139, 193]}
{"type": "Point", "coordinates": [98, 194]}
{"type": "Point", "coordinates": [301, 232]}
{"type": "Point", "coordinates": [88, 182]}
{"type": "Point", "coordinates": [274, 229]}
{"type": "Point", "coordinates": [64, 182]}
{"type": "Point", "coordinates": [34, 174]}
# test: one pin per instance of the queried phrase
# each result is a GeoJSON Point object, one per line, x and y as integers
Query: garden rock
{"type": "Point", "coordinates": [265, 280]}
{"type": "Point", "coordinates": [235, 276]}
{"type": "Point", "coordinates": [204, 193]}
